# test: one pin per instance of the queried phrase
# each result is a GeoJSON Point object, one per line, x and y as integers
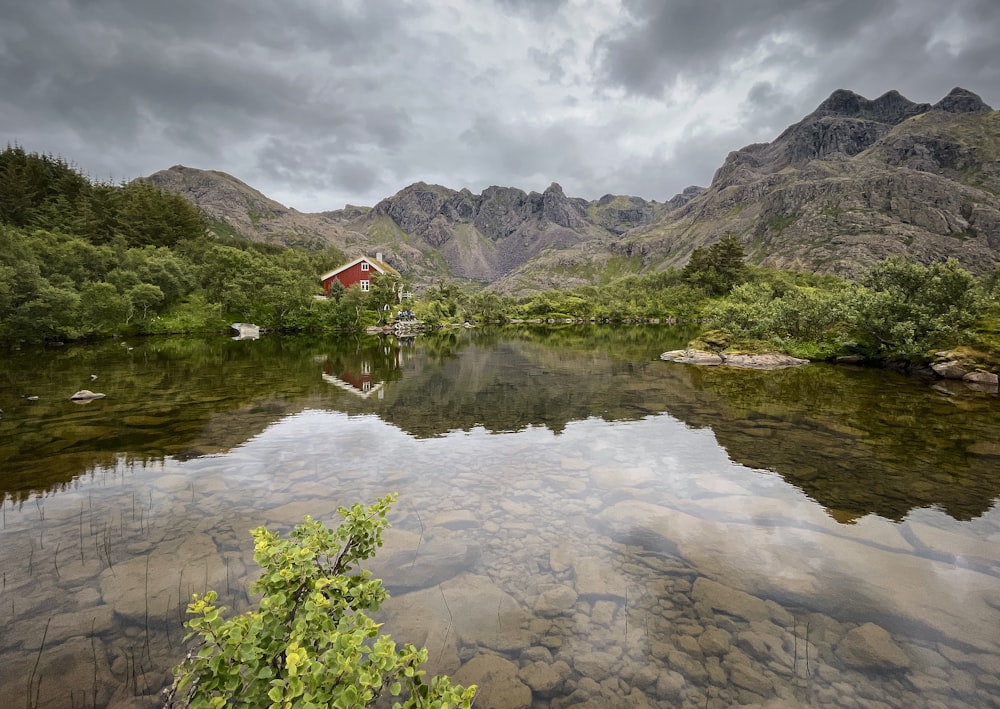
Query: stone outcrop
{"type": "Point", "coordinates": [853, 182]}
{"type": "Point", "coordinates": [769, 360]}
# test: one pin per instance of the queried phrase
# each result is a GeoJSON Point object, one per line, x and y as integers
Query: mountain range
{"type": "Point", "coordinates": [853, 182]}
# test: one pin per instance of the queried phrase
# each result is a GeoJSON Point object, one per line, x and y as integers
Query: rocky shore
{"type": "Point", "coordinates": [767, 360]}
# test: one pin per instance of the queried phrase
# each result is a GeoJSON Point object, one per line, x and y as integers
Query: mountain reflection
{"type": "Point", "coordinates": [856, 441]}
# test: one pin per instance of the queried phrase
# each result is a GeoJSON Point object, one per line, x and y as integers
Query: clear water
{"type": "Point", "coordinates": [578, 523]}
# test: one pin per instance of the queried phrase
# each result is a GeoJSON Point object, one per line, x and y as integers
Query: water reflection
{"type": "Point", "coordinates": [568, 524]}
{"type": "Point", "coordinates": [857, 441]}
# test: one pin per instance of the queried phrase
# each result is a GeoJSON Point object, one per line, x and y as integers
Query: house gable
{"type": "Point", "coordinates": [358, 272]}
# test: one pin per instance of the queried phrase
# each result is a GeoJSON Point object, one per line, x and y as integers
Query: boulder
{"type": "Point", "coordinates": [949, 369]}
{"type": "Point", "coordinates": [554, 600]}
{"type": "Point", "coordinates": [498, 682]}
{"type": "Point", "coordinates": [870, 647]}
{"type": "Point", "coordinates": [766, 360]}
{"type": "Point", "coordinates": [692, 357]}
{"type": "Point", "coordinates": [987, 378]}
{"type": "Point", "coordinates": [86, 395]}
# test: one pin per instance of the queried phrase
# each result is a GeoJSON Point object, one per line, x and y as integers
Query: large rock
{"type": "Point", "coordinates": [429, 564]}
{"type": "Point", "coordinates": [723, 599]}
{"type": "Point", "coordinates": [153, 584]}
{"type": "Point", "coordinates": [500, 686]}
{"type": "Point", "coordinates": [690, 356]}
{"type": "Point", "coordinates": [596, 578]}
{"type": "Point", "coordinates": [783, 550]}
{"type": "Point", "coordinates": [555, 600]}
{"type": "Point", "coordinates": [768, 360]}
{"type": "Point", "coordinates": [870, 647]}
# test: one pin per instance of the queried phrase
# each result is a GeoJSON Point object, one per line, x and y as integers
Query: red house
{"type": "Point", "coordinates": [361, 272]}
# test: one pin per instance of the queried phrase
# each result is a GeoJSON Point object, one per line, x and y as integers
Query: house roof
{"type": "Point", "coordinates": [379, 266]}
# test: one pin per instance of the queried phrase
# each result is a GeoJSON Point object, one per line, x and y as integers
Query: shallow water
{"type": "Point", "coordinates": [578, 524]}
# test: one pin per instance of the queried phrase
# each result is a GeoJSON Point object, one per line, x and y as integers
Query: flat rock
{"type": "Point", "coordinates": [430, 563]}
{"type": "Point", "coordinates": [949, 370]}
{"type": "Point", "coordinates": [768, 555]}
{"type": "Point", "coordinates": [543, 678]}
{"type": "Point", "coordinates": [500, 687]}
{"type": "Point", "coordinates": [766, 360]}
{"type": "Point", "coordinates": [485, 615]}
{"type": "Point", "coordinates": [987, 378]}
{"type": "Point", "coordinates": [692, 357]}
{"type": "Point", "coordinates": [870, 647]}
{"type": "Point", "coordinates": [555, 600]}
{"type": "Point", "coordinates": [596, 578]}
{"type": "Point", "coordinates": [456, 519]}
{"type": "Point", "coordinates": [769, 360]}
{"type": "Point", "coordinates": [730, 601]}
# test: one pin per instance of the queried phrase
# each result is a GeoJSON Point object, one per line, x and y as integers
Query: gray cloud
{"type": "Point", "coordinates": [326, 103]}
{"type": "Point", "coordinates": [696, 41]}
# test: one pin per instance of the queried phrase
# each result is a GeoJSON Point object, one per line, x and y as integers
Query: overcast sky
{"type": "Point", "coordinates": [320, 103]}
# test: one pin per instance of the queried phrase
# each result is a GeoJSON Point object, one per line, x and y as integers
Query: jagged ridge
{"type": "Point", "coordinates": [852, 182]}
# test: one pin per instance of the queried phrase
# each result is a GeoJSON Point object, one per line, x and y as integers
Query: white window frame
{"type": "Point", "coordinates": [365, 286]}
{"type": "Point", "coordinates": [365, 266]}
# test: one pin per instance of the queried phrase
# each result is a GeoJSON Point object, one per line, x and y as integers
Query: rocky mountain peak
{"type": "Point", "coordinates": [891, 107]}
{"type": "Point", "coordinates": [961, 100]}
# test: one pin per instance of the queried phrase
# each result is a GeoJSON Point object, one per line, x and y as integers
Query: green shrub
{"type": "Point", "coordinates": [309, 643]}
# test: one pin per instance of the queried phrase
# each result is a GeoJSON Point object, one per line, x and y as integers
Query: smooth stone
{"type": "Point", "coordinates": [692, 357]}
{"type": "Point", "coordinates": [949, 370]}
{"type": "Point", "coordinates": [596, 578]}
{"type": "Point", "coordinates": [728, 600]}
{"type": "Point", "coordinates": [715, 641]}
{"type": "Point", "coordinates": [555, 600]}
{"type": "Point", "coordinates": [561, 557]}
{"type": "Point", "coordinates": [542, 677]}
{"type": "Point", "coordinates": [987, 378]}
{"type": "Point", "coordinates": [429, 564]}
{"type": "Point", "coordinates": [456, 519]}
{"type": "Point", "coordinates": [766, 557]}
{"type": "Point", "coordinates": [86, 395]}
{"type": "Point", "coordinates": [422, 618]}
{"type": "Point", "coordinates": [485, 615]}
{"type": "Point", "coordinates": [870, 647]}
{"type": "Point", "coordinates": [165, 578]}
{"type": "Point", "coordinates": [500, 686]}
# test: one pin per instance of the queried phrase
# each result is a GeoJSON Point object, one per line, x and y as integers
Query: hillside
{"type": "Point", "coordinates": [851, 183]}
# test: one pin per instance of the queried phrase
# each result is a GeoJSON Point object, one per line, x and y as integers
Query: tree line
{"type": "Point", "coordinates": [83, 259]}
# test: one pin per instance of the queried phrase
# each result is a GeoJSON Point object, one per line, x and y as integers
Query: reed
{"type": "Point", "coordinates": [93, 649]}
{"type": "Point", "coordinates": [32, 701]}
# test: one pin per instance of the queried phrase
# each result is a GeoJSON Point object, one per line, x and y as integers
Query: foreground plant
{"type": "Point", "coordinates": [310, 643]}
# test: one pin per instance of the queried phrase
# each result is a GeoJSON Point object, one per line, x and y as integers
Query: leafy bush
{"type": "Point", "coordinates": [310, 643]}
{"type": "Point", "coordinates": [908, 309]}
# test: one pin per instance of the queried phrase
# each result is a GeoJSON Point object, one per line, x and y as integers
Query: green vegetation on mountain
{"type": "Point", "coordinates": [81, 260]}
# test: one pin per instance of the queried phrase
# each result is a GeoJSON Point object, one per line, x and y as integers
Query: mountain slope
{"type": "Point", "coordinates": [427, 232]}
{"type": "Point", "coordinates": [853, 182]}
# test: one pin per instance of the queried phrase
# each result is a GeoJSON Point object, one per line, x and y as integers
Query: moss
{"type": "Point", "coordinates": [780, 222]}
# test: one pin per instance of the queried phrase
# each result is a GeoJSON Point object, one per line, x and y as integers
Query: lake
{"type": "Point", "coordinates": [578, 523]}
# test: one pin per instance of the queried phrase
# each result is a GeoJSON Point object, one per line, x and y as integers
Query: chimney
{"type": "Point", "coordinates": [378, 256]}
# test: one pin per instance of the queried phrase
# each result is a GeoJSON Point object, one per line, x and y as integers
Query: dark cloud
{"type": "Point", "coordinates": [697, 41]}
{"type": "Point", "coordinates": [324, 103]}
{"type": "Point", "coordinates": [539, 8]}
